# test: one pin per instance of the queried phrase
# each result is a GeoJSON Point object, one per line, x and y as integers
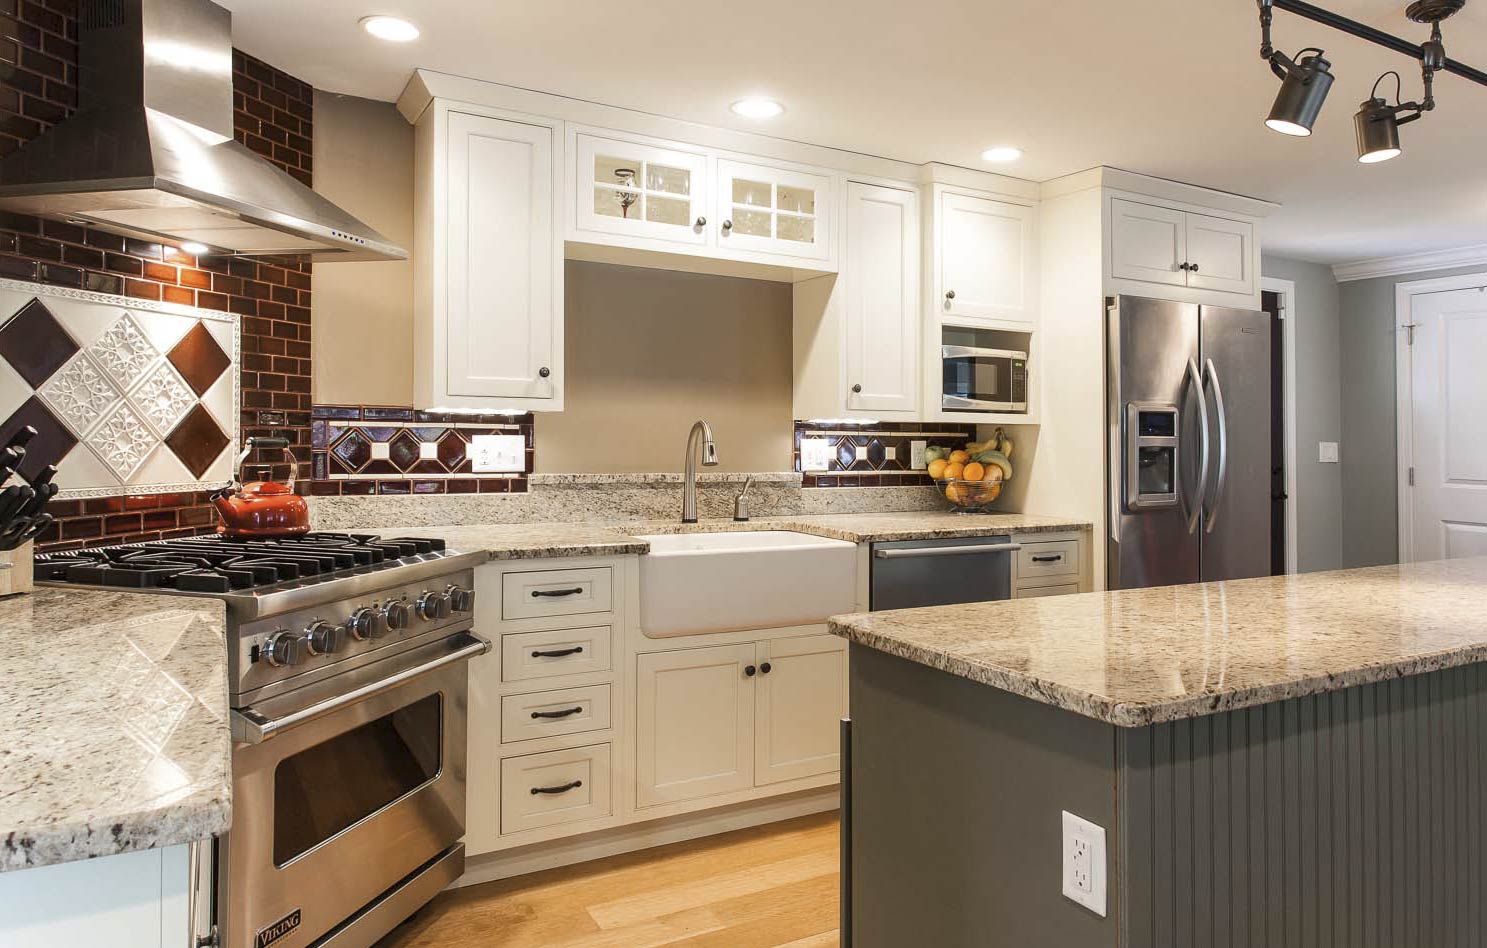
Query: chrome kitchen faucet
{"type": "Point", "coordinates": [709, 459]}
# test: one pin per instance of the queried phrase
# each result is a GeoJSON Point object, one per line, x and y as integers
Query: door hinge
{"type": "Point", "coordinates": [1409, 329]}
{"type": "Point", "coordinates": [1412, 477]}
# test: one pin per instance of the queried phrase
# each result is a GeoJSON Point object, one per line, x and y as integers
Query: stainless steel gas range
{"type": "Point", "coordinates": [346, 658]}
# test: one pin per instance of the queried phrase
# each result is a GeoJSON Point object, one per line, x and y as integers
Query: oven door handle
{"type": "Point", "coordinates": [947, 550]}
{"type": "Point", "coordinates": [251, 727]}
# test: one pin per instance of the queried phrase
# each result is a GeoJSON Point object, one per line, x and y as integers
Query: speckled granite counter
{"type": "Point", "coordinates": [114, 715]}
{"type": "Point", "coordinates": [1139, 657]}
{"type": "Point", "coordinates": [527, 541]}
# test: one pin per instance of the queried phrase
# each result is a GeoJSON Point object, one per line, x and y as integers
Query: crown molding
{"type": "Point", "coordinates": [1475, 255]}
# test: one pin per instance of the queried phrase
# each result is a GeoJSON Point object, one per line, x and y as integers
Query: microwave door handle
{"type": "Point", "coordinates": [1212, 373]}
{"type": "Point", "coordinates": [1200, 491]}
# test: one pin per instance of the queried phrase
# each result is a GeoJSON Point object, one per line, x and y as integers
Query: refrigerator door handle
{"type": "Point", "coordinates": [1211, 372]}
{"type": "Point", "coordinates": [1201, 490]}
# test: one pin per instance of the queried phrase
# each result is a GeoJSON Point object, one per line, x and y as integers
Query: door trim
{"type": "Point", "coordinates": [1289, 310]}
{"type": "Point", "coordinates": [1404, 397]}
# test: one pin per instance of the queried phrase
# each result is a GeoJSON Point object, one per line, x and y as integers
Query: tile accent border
{"type": "Point", "coordinates": [875, 455]}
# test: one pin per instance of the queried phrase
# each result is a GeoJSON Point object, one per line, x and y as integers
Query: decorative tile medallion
{"type": "Point", "coordinates": [163, 398]}
{"type": "Point", "coordinates": [81, 394]}
{"type": "Point", "coordinates": [124, 352]}
{"type": "Point", "coordinates": [123, 442]}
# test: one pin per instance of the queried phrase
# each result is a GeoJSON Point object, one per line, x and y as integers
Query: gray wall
{"type": "Point", "coordinates": [1370, 529]}
{"type": "Point", "coordinates": [1319, 410]}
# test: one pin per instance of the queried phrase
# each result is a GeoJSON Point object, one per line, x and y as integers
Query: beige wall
{"type": "Point", "coordinates": [651, 351]}
{"type": "Point", "coordinates": [361, 313]}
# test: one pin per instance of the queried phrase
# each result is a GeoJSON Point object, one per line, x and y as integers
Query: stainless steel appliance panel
{"type": "Point", "coordinates": [981, 379]}
{"type": "Point", "coordinates": [908, 574]}
{"type": "Point", "coordinates": [1152, 349]}
{"type": "Point", "coordinates": [1236, 519]}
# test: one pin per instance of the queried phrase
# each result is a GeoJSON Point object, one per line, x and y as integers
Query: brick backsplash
{"type": "Point", "coordinates": [875, 455]}
{"type": "Point", "coordinates": [273, 114]}
{"type": "Point", "coordinates": [376, 449]}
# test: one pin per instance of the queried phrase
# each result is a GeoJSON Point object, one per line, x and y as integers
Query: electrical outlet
{"type": "Point", "coordinates": [1084, 863]}
{"type": "Point", "coordinates": [815, 454]}
{"type": "Point", "coordinates": [498, 453]}
{"type": "Point", "coordinates": [1327, 452]}
{"type": "Point", "coordinates": [916, 455]}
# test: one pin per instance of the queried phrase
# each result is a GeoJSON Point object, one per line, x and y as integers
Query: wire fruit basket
{"type": "Point", "coordinates": [970, 496]}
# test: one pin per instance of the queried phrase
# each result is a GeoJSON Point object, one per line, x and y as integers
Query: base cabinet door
{"type": "Point", "coordinates": [802, 697]}
{"type": "Point", "coordinates": [694, 723]}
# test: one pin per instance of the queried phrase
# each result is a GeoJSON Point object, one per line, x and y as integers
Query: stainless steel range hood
{"type": "Point", "coordinates": [150, 152]}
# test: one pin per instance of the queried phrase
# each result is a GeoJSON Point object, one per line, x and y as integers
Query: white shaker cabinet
{"type": "Point", "coordinates": [488, 284]}
{"type": "Point", "coordinates": [985, 260]}
{"type": "Point", "coordinates": [773, 210]}
{"type": "Point", "coordinates": [1154, 244]}
{"type": "Point", "coordinates": [802, 697]}
{"type": "Point", "coordinates": [1220, 254]}
{"type": "Point", "coordinates": [694, 723]}
{"type": "Point", "coordinates": [628, 187]}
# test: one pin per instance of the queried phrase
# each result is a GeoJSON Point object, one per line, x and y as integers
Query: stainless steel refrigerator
{"type": "Point", "coordinates": [1188, 414]}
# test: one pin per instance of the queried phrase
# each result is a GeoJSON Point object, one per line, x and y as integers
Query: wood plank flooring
{"type": "Point", "coordinates": [769, 887]}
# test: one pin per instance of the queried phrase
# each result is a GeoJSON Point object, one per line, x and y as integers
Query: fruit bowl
{"type": "Point", "coordinates": [970, 496]}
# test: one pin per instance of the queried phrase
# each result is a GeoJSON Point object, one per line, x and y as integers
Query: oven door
{"type": "Point", "coordinates": [977, 379]}
{"type": "Point", "coordinates": [341, 791]}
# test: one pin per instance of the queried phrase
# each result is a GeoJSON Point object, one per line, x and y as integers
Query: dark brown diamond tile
{"type": "Point", "coordinates": [197, 441]}
{"type": "Point", "coordinates": [52, 441]}
{"type": "Point", "coordinates": [353, 450]}
{"type": "Point", "coordinates": [35, 344]}
{"type": "Point", "coordinates": [403, 451]}
{"type": "Point", "coordinates": [452, 450]}
{"type": "Point", "coordinates": [199, 359]}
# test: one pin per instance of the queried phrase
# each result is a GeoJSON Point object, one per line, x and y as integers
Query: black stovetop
{"type": "Point", "coordinates": [215, 564]}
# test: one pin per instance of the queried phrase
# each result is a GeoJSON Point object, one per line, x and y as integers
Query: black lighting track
{"type": "Point", "coordinates": [1379, 37]}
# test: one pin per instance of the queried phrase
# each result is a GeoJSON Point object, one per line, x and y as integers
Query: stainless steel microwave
{"type": "Point", "coordinates": [978, 379]}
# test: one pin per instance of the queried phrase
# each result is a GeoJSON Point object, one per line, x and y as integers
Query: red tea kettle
{"type": "Point", "coordinates": [261, 508]}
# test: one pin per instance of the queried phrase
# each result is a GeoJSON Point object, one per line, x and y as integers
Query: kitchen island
{"type": "Point", "coordinates": [1283, 761]}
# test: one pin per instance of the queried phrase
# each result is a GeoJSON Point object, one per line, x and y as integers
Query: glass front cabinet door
{"type": "Point", "coordinates": [773, 210]}
{"type": "Point", "coordinates": [641, 190]}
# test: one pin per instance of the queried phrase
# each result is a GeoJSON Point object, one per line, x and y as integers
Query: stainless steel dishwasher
{"type": "Point", "coordinates": [907, 574]}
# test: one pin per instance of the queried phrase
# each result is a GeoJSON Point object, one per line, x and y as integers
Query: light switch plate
{"type": "Point", "coordinates": [1084, 863]}
{"type": "Point", "coordinates": [916, 455]}
{"type": "Point", "coordinates": [491, 454]}
{"type": "Point", "coordinates": [815, 454]}
{"type": "Point", "coordinates": [1327, 452]}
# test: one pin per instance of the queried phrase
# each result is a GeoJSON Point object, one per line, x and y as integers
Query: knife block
{"type": "Point", "coordinates": [15, 571]}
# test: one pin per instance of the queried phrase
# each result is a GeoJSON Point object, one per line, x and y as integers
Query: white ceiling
{"type": "Point", "coordinates": [1173, 88]}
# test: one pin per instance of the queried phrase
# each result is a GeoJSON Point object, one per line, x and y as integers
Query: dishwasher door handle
{"type": "Point", "coordinates": [948, 550]}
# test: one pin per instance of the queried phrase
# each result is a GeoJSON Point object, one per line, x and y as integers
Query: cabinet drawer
{"type": "Point", "coordinates": [1038, 592]}
{"type": "Point", "coordinates": [565, 786]}
{"type": "Point", "coordinates": [548, 713]}
{"type": "Point", "coordinates": [555, 592]}
{"type": "Point", "coordinates": [557, 652]}
{"type": "Point", "coordinates": [1039, 560]}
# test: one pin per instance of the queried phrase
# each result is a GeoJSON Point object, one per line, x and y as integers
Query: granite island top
{"type": "Point", "coordinates": [546, 540]}
{"type": "Point", "coordinates": [114, 711]}
{"type": "Point", "coordinates": [1139, 657]}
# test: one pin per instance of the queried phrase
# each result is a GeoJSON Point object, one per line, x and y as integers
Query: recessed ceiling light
{"type": "Point", "coordinates": [1002, 153]}
{"type": "Point", "coordinates": [390, 28]}
{"type": "Point", "coordinates": [757, 108]}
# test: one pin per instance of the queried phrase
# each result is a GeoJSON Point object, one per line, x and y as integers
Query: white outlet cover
{"type": "Point", "coordinates": [1084, 863]}
{"type": "Point", "coordinates": [491, 454]}
{"type": "Point", "coordinates": [815, 454]}
{"type": "Point", "coordinates": [916, 455]}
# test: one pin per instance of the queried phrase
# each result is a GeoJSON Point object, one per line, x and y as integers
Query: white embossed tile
{"type": "Point", "coordinates": [123, 441]}
{"type": "Point", "coordinates": [125, 352]}
{"type": "Point", "coordinates": [80, 394]}
{"type": "Point", "coordinates": [164, 329]}
{"type": "Point", "coordinates": [163, 398]}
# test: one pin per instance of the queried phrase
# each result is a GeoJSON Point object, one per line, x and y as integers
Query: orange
{"type": "Point", "coordinates": [955, 493]}
{"type": "Point", "coordinates": [955, 470]}
{"type": "Point", "coordinates": [959, 456]}
{"type": "Point", "coordinates": [937, 468]}
{"type": "Point", "coordinates": [974, 472]}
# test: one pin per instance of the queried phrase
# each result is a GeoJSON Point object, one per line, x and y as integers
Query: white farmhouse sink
{"type": "Point", "coordinates": [694, 583]}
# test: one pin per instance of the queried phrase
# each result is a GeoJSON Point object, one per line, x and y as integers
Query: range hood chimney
{"type": "Point", "coordinates": [150, 152]}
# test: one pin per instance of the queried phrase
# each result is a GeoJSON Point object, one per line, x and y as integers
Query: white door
{"type": "Point", "coordinates": [1148, 243]}
{"type": "Point", "coordinates": [882, 277]}
{"type": "Point", "coordinates": [503, 325]}
{"type": "Point", "coordinates": [773, 210]}
{"type": "Point", "coordinates": [695, 723]}
{"type": "Point", "coordinates": [986, 259]}
{"type": "Point", "coordinates": [642, 190]}
{"type": "Point", "coordinates": [1220, 254]}
{"type": "Point", "coordinates": [1449, 395]}
{"type": "Point", "coordinates": [802, 699]}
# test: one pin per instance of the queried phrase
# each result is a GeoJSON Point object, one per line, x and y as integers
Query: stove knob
{"type": "Point", "coordinates": [398, 614]}
{"type": "Point", "coordinates": [460, 598]}
{"type": "Point", "coordinates": [367, 624]}
{"type": "Point", "coordinates": [433, 606]}
{"type": "Point", "coordinates": [283, 648]}
{"type": "Point", "coordinates": [322, 638]}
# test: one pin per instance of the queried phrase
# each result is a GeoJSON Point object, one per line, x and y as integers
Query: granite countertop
{"type": "Point", "coordinates": [548, 540]}
{"type": "Point", "coordinates": [1145, 656]}
{"type": "Point", "coordinates": [114, 711]}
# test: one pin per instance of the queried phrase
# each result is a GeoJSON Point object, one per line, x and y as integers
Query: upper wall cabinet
{"type": "Point", "coordinates": [1154, 244]}
{"type": "Point", "coordinates": [984, 260]}
{"type": "Point", "coordinates": [773, 211]}
{"type": "Point", "coordinates": [626, 187]}
{"type": "Point", "coordinates": [488, 284]}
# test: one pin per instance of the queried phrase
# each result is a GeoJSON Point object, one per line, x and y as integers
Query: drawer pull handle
{"type": "Point", "coordinates": [1054, 558]}
{"type": "Point", "coordinates": [555, 593]}
{"type": "Point", "coordinates": [558, 652]}
{"type": "Point", "coordinates": [555, 790]}
{"type": "Point", "coordinates": [566, 713]}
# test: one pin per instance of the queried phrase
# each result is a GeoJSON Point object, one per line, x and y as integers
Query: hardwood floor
{"type": "Point", "coordinates": [768, 887]}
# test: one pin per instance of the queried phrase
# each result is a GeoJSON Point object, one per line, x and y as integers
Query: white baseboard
{"type": "Point", "coordinates": [626, 839]}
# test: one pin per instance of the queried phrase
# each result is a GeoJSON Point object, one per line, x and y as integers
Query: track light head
{"type": "Point", "coordinates": [1377, 127]}
{"type": "Point", "coordinates": [1305, 83]}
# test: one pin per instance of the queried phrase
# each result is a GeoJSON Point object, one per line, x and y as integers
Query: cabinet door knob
{"type": "Point", "coordinates": [749, 671]}
{"type": "Point", "coordinates": [949, 294]}
{"type": "Point", "coordinates": [701, 222]}
{"type": "Point", "coordinates": [1182, 266]}
{"type": "Point", "coordinates": [766, 668]}
{"type": "Point", "coordinates": [857, 389]}
{"type": "Point", "coordinates": [727, 225]}
{"type": "Point", "coordinates": [1193, 267]}
{"type": "Point", "coordinates": [544, 372]}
